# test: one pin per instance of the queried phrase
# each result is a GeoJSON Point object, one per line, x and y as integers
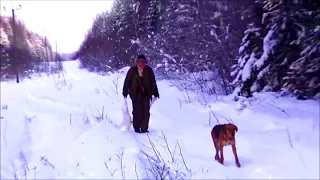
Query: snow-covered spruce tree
{"type": "Point", "coordinates": [222, 33]}
{"type": "Point", "coordinates": [282, 45]}
{"type": "Point", "coordinates": [289, 22]}
{"type": "Point", "coordinates": [153, 14]}
{"type": "Point", "coordinates": [107, 46]}
{"type": "Point", "coordinates": [278, 50]}
{"type": "Point", "coordinates": [96, 50]}
{"type": "Point", "coordinates": [100, 49]}
{"type": "Point", "coordinates": [82, 51]}
{"type": "Point", "coordinates": [250, 51]}
{"type": "Point", "coordinates": [303, 73]}
{"type": "Point", "coordinates": [125, 31]}
{"type": "Point", "coordinates": [144, 13]}
{"type": "Point", "coordinates": [179, 37]}
{"type": "Point", "coordinates": [87, 53]}
{"type": "Point", "coordinates": [257, 67]}
{"type": "Point", "coordinates": [148, 25]}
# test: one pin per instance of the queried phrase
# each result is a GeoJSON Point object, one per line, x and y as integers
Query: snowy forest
{"type": "Point", "coordinates": [31, 54]}
{"type": "Point", "coordinates": [243, 46]}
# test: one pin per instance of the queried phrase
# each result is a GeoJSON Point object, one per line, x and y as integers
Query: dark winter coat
{"type": "Point", "coordinates": [131, 83]}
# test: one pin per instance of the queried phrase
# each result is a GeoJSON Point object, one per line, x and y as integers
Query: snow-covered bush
{"type": "Point", "coordinates": [159, 166]}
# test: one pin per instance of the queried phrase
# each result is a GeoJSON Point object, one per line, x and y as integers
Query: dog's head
{"type": "Point", "coordinates": [231, 129]}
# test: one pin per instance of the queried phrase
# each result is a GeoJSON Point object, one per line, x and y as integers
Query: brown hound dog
{"type": "Point", "coordinates": [224, 135]}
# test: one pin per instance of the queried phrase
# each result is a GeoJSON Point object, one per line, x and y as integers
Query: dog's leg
{"type": "Point", "coordinates": [217, 151]}
{"type": "Point", "coordinates": [221, 152]}
{"type": "Point", "coordinates": [215, 143]}
{"type": "Point", "coordinates": [234, 150]}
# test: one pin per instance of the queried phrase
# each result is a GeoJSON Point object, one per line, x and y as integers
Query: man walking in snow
{"type": "Point", "coordinates": [140, 83]}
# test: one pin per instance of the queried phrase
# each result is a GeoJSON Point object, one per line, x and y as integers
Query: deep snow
{"type": "Point", "coordinates": [51, 129]}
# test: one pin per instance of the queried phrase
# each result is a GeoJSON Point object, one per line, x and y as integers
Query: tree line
{"type": "Point", "coordinates": [30, 53]}
{"type": "Point", "coordinates": [252, 46]}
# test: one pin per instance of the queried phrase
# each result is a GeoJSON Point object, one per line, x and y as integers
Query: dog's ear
{"type": "Point", "coordinates": [233, 127]}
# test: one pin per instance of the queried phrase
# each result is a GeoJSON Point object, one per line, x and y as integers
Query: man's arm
{"type": "Point", "coordinates": [127, 83]}
{"type": "Point", "coordinates": [154, 86]}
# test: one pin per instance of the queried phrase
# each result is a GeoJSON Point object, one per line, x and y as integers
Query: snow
{"type": "Point", "coordinates": [135, 41]}
{"type": "Point", "coordinates": [269, 44]}
{"type": "Point", "coordinates": [243, 47]}
{"type": "Point", "coordinates": [72, 132]}
{"type": "Point", "coordinates": [214, 33]}
{"type": "Point", "coordinates": [246, 72]}
{"type": "Point", "coordinates": [4, 39]}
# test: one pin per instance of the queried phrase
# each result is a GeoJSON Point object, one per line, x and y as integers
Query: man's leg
{"type": "Point", "coordinates": [146, 114]}
{"type": "Point", "coordinates": [136, 112]}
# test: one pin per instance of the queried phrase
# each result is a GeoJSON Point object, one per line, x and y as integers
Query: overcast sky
{"type": "Point", "coordinates": [61, 20]}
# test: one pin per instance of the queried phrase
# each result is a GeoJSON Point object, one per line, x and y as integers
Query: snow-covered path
{"type": "Point", "coordinates": [71, 131]}
{"type": "Point", "coordinates": [67, 136]}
